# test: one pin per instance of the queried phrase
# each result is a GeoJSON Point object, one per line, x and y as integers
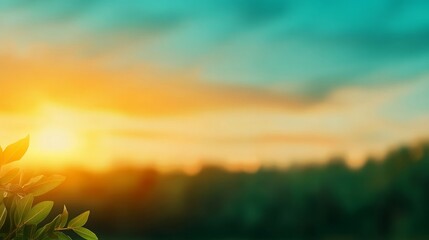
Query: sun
{"type": "Point", "coordinates": [56, 141]}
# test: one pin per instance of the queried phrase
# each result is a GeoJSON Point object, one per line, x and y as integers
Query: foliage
{"type": "Point", "coordinates": [20, 218]}
{"type": "Point", "coordinates": [386, 198]}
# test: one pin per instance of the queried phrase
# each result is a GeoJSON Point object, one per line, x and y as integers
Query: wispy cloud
{"type": "Point", "coordinates": [264, 79]}
{"type": "Point", "coordinates": [246, 42]}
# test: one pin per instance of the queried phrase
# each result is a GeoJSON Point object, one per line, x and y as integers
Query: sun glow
{"type": "Point", "coordinates": [56, 141]}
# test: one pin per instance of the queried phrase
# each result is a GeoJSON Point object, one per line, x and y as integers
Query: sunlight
{"type": "Point", "coordinates": [56, 141]}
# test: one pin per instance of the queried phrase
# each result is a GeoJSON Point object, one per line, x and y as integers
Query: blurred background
{"type": "Point", "coordinates": [224, 119]}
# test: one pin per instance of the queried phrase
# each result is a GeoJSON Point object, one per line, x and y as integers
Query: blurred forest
{"type": "Point", "coordinates": [385, 199]}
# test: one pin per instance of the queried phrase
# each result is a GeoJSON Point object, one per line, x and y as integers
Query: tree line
{"type": "Point", "coordinates": [384, 199]}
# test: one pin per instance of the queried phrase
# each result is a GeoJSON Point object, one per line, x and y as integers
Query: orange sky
{"type": "Point", "coordinates": [146, 117]}
{"type": "Point", "coordinates": [96, 90]}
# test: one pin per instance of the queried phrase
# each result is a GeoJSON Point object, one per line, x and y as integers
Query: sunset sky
{"type": "Point", "coordinates": [240, 83]}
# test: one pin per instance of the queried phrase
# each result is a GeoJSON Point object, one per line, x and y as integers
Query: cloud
{"type": "Point", "coordinates": [309, 48]}
{"type": "Point", "coordinates": [30, 82]}
{"type": "Point", "coordinates": [235, 79]}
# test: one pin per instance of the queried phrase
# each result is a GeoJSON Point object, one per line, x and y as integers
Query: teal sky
{"type": "Point", "coordinates": [307, 47]}
{"type": "Point", "coordinates": [366, 54]}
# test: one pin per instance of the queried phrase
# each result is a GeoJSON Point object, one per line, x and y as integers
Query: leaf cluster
{"type": "Point", "coordinates": [23, 219]}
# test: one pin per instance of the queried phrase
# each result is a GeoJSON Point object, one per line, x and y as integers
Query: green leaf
{"type": "Point", "coordinates": [49, 228]}
{"type": "Point", "coordinates": [33, 180]}
{"type": "Point", "coordinates": [62, 236]}
{"type": "Point", "coordinates": [3, 215]}
{"type": "Point", "coordinates": [29, 231]}
{"type": "Point", "coordinates": [12, 209]}
{"type": "Point", "coordinates": [19, 235]}
{"type": "Point", "coordinates": [15, 151]}
{"type": "Point", "coordinates": [85, 233]}
{"type": "Point", "coordinates": [40, 233]}
{"type": "Point", "coordinates": [79, 221]}
{"type": "Point", "coordinates": [44, 185]}
{"type": "Point", "coordinates": [23, 206]}
{"type": "Point", "coordinates": [9, 176]}
{"type": "Point", "coordinates": [38, 213]}
{"type": "Point", "coordinates": [64, 217]}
